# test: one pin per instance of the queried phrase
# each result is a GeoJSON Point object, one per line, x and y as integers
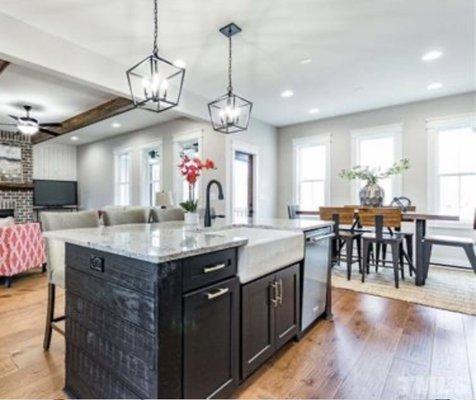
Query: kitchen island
{"type": "Point", "coordinates": [154, 310]}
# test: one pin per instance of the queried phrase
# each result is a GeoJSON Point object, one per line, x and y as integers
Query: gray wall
{"type": "Point", "coordinates": [414, 142]}
{"type": "Point", "coordinates": [95, 162]}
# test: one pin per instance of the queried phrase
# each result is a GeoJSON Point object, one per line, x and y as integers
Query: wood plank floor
{"type": "Point", "coordinates": [374, 348]}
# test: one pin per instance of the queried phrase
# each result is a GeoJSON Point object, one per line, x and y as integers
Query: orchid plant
{"type": "Point", "coordinates": [372, 175]}
{"type": "Point", "coordinates": [191, 169]}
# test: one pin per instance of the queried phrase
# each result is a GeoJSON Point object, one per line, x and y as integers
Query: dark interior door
{"type": "Point", "coordinates": [243, 185]}
{"type": "Point", "coordinates": [211, 340]}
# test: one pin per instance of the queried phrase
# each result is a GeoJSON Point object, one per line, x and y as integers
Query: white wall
{"type": "Point", "coordinates": [413, 116]}
{"type": "Point", "coordinates": [54, 161]}
{"type": "Point", "coordinates": [95, 162]}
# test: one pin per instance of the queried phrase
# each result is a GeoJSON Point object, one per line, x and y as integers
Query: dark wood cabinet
{"type": "Point", "coordinates": [210, 340]}
{"type": "Point", "coordinates": [287, 308]}
{"type": "Point", "coordinates": [270, 316]}
{"type": "Point", "coordinates": [257, 323]}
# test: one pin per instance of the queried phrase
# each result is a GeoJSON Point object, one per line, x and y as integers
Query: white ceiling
{"type": "Point", "coordinates": [53, 99]}
{"type": "Point", "coordinates": [129, 121]}
{"type": "Point", "coordinates": [365, 53]}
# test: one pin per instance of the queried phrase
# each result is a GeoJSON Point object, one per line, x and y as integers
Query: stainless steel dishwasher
{"type": "Point", "coordinates": [316, 274]}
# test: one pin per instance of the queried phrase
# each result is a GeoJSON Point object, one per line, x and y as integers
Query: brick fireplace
{"type": "Point", "coordinates": [18, 196]}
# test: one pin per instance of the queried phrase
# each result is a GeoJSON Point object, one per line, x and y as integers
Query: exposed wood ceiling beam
{"type": "Point", "coordinates": [3, 65]}
{"type": "Point", "coordinates": [106, 110]}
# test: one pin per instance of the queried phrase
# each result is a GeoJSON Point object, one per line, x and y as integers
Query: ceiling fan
{"type": "Point", "coordinates": [29, 126]}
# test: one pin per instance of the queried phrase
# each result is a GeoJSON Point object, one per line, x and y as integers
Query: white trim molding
{"type": "Point", "coordinates": [356, 135]}
{"type": "Point", "coordinates": [232, 145]}
{"type": "Point", "coordinates": [306, 141]}
{"type": "Point", "coordinates": [144, 178]}
{"type": "Point", "coordinates": [433, 127]}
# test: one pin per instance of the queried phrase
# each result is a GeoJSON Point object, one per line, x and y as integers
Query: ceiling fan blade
{"type": "Point", "coordinates": [12, 116]}
{"type": "Point", "coordinates": [52, 124]}
{"type": "Point", "coordinates": [48, 132]}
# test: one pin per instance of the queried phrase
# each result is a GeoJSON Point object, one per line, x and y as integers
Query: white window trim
{"type": "Point", "coordinates": [196, 134]}
{"type": "Point", "coordinates": [433, 126]}
{"type": "Point", "coordinates": [376, 132]}
{"type": "Point", "coordinates": [234, 145]}
{"type": "Point", "coordinates": [320, 139]}
{"type": "Point", "coordinates": [118, 152]}
{"type": "Point", "coordinates": [144, 149]}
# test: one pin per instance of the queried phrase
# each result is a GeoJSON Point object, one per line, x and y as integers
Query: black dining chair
{"type": "Point", "coordinates": [467, 244]}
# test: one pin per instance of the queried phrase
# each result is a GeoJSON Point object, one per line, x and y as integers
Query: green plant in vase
{"type": "Point", "coordinates": [372, 194]}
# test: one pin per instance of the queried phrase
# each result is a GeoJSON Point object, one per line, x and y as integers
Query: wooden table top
{"type": "Point", "coordinates": [408, 215]}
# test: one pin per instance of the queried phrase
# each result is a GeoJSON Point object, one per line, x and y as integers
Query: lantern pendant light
{"type": "Point", "coordinates": [155, 83]}
{"type": "Point", "coordinates": [230, 113]}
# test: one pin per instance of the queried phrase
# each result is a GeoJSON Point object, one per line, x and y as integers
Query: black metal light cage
{"type": "Point", "coordinates": [155, 83]}
{"type": "Point", "coordinates": [145, 70]}
{"type": "Point", "coordinates": [217, 109]}
{"type": "Point", "coordinates": [236, 102]}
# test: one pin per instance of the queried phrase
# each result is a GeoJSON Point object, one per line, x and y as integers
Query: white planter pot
{"type": "Point", "coordinates": [191, 218]}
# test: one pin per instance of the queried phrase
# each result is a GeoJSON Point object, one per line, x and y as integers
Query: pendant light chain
{"type": "Point", "coordinates": [230, 54]}
{"type": "Point", "coordinates": [155, 50]}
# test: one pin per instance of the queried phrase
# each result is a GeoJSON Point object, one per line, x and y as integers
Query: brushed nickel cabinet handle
{"type": "Point", "coordinates": [279, 296]}
{"type": "Point", "coordinates": [274, 294]}
{"type": "Point", "coordinates": [207, 270]}
{"type": "Point", "coordinates": [218, 293]}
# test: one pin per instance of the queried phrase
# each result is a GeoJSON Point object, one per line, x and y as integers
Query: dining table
{"type": "Point", "coordinates": [420, 219]}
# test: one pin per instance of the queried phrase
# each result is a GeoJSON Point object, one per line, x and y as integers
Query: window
{"type": "Point", "coordinates": [151, 173]}
{"type": "Point", "coordinates": [191, 146]}
{"type": "Point", "coordinates": [312, 163]}
{"type": "Point", "coordinates": [122, 178]}
{"type": "Point", "coordinates": [452, 167]}
{"type": "Point", "coordinates": [378, 147]}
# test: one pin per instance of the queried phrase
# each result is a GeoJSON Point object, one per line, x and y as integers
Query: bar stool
{"type": "Point", "coordinates": [467, 244]}
{"type": "Point", "coordinates": [380, 218]}
{"type": "Point", "coordinates": [343, 236]}
{"type": "Point", "coordinates": [55, 257]}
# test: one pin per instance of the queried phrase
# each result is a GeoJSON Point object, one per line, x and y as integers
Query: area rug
{"type": "Point", "coordinates": [447, 288]}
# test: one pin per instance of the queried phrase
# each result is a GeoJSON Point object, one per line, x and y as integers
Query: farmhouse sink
{"type": "Point", "coordinates": [267, 250]}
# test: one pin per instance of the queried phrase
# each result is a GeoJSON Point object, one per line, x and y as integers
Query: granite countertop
{"type": "Point", "coordinates": [168, 241]}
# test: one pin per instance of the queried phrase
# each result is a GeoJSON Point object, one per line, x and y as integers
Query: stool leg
{"type": "Point", "coordinates": [349, 249]}
{"type": "Point", "coordinates": [365, 259]}
{"type": "Point", "coordinates": [8, 282]}
{"type": "Point", "coordinates": [50, 312]}
{"type": "Point", "coordinates": [402, 262]}
{"type": "Point", "coordinates": [43, 268]}
{"type": "Point", "coordinates": [395, 259]}
{"type": "Point", "coordinates": [359, 252]}
{"type": "Point", "coordinates": [472, 257]}
{"type": "Point", "coordinates": [377, 256]}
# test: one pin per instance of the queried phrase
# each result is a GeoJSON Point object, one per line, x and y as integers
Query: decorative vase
{"type": "Point", "coordinates": [191, 218]}
{"type": "Point", "coordinates": [371, 195]}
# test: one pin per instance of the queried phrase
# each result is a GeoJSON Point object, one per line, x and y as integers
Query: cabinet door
{"type": "Point", "coordinates": [257, 324]}
{"type": "Point", "coordinates": [211, 340]}
{"type": "Point", "coordinates": [287, 311]}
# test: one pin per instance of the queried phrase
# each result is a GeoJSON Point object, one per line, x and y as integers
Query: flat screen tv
{"type": "Point", "coordinates": [47, 193]}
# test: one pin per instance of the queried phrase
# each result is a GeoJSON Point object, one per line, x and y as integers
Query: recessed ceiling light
{"type": "Point", "coordinates": [74, 138]}
{"type": "Point", "coordinates": [116, 125]}
{"type": "Point", "coordinates": [180, 63]}
{"type": "Point", "coordinates": [306, 61]}
{"type": "Point", "coordinates": [432, 55]}
{"type": "Point", "coordinates": [434, 86]}
{"type": "Point", "coordinates": [314, 111]}
{"type": "Point", "coordinates": [287, 93]}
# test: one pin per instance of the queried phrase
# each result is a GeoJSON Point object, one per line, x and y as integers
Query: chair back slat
{"type": "Point", "coordinates": [346, 215]}
{"type": "Point", "coordinates": [392, 217]}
